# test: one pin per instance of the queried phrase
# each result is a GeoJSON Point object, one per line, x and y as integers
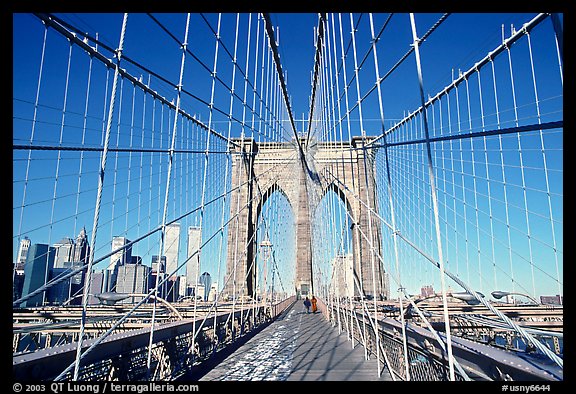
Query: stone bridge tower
{"type": "Point", "coordinates": [278, 167]}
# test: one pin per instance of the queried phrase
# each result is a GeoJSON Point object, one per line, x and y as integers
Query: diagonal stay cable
{"type": "Point", "coordinates": [151, 292]}
{"type": "Point", "coordinates": [456, 279]}
{"type": "Point", "coordinates": [56, 24]}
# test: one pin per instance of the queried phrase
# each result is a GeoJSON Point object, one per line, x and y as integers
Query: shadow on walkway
{"type": "Point", "coordinates": [297, 346]}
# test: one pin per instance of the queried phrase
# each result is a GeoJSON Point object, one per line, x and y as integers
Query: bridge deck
{"type": "Point", "coordinates": [298, 347]}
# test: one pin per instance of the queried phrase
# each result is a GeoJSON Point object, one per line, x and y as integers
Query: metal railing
{"type": "Point", "coordinates": [177, 348]}
{"type": "Point", "coordinates": [427, 361]}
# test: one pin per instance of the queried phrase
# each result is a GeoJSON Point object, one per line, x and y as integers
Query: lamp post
{"type": "Point", "coordinates": [273, 275]}
{"type": "Point", "coordinates": [467, 297]}
{"type": "Point", "coordinates": [499, 294]}
{"type": "Point", "coordinates": [266, 250]}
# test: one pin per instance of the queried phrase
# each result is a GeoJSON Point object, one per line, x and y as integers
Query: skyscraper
{"type": "Point", "coordinates": [68, 290]}
{"type": "Point", "coordinates": [206, 281]}
{"type": "Point", "coordinates": [158, 265]}
{"type": "Point", "coordinates": [132, 278]}
{"type": "Point", "coordinates": [64, 252]}
{"type": "Point", "coordinates": [61, 291]}
{"type": "Point", "coordinates": [81, 247]}
{"type": "Point", "coordinates": [135, 260]}
{"type": "Point", "coordinates": [171, 247]}
{"type": "Point", "coordinates": [172, 289]}
{"type": "Point", "coordinates": [157, 274]}
{"type": "Point", "coordinates": [39, 262]}
{"type": "Point", "coordinates": [193, 264]}
{"type": "Point", "coordinates": [96, 287]}
{"type": "Point", "coordinates": [122, 256]}
{"type": "Point", "coordinates": [182, 290]}
{"type": "Point", "coordinates": [69, 250]}
{"type": "Point", "coordinates": [22, 253]}
{"type": "Point", "coordinates": [18, 272]}
{"type": "Point", "coordinates": [17, 284]}
{"type": "Point", "coordinates": [117, 259]}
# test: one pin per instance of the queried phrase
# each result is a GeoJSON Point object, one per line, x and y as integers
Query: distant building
{"type": "Point", "coordinates": [157, 273]}
{"type": "Point", "coordinates": [96, 287]}
{"type": "Point", "coordinates": [158, 265]}
{"type": "Point", "coordinates": [110, 276]}
{"type": "Point", "coordinates": [385, 286]}
{"type": "Point", "coordinates": [172, 247]}
{"type": "Point", "coordinates": [193, 264]}
{"type": "Point", "coordinates": [213, 292]}
{"type": "Point", "coordinates": [183, 287]}
{"type": "Point", "coordinates": [200, 293]}
{"type": "Point", "coordinates": [552, 300]}
{"type": "Point", "coordinates": [60, 292]}
{"type": "Point", "coordinates": [206, 281]}
{"type": "Point", "coordinates": [78, 278]}
{"type": "Point", "coordinates": [17, 284]}
{"type": "Point", "coordinates": [64, 252]}
{"type": "Point", "coordinates": [81, 247]}
{"type": "Point", "coordinates": [120, 258]}
{"type": "Point", "coordinates": [22, 253]}
{"type": "Point", "coordinates": [70, 288]}
{"type": "Point", "coordinates": [173, 288]}
{"type": "Point", "coordinates": [132, 279]}
{"type": "Point", "coordinates": [135, 260]}
{"type": "Point", "coordinates": [39, 262]}
{"type": "Point", "coordinates": [68, 250]}
{"type": "Point", "coordinates": [426, 291]}
{"type": "Point", "coordinates": [123, 256]}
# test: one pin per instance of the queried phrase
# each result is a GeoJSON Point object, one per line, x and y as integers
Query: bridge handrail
{"type": "Point", "coordinates": [47, 363]}
{"type": "Point", "coordinates": [478, 359]}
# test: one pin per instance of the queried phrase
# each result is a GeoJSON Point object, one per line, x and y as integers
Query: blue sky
{"type": "Point", "coordinates": [454, 45]}
{"type": "Point", "coordinates": [457, 44]}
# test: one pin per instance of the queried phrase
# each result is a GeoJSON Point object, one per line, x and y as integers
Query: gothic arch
{"type": "Point", "coordinates": [290, 177]}
{"type": "Point", "coordinates": [342, 195]}
{"type": "Point", "coordinates": [267, 194]}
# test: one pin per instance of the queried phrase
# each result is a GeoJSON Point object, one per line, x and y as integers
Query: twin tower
{"type": "Point", "coordinates": [346, 168]}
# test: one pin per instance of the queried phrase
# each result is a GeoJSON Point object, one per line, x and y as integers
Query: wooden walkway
{"type": "Point", "coordinates": [298, 347]}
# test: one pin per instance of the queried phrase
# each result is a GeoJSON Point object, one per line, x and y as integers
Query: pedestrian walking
{"type": "Point", "coordinates": [314, 307]}
{"type": "Point", "coordinates": [307, 304]}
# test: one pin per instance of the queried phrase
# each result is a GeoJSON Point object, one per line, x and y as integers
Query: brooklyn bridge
{"type": "Point", "coordinates": [183, 183]}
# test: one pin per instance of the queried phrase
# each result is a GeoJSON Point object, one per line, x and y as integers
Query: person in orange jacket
{"type": "Point", "coordinates": [314, 307]}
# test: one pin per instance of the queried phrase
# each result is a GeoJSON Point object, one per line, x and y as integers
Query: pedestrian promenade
{"type": "Point", "coordinates": [298, 347]}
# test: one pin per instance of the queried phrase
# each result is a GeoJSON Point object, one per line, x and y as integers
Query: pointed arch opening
{"type": "Point", "coordinates": [334, 241]}
{"type": "Point", "coordinates": [271, 275]}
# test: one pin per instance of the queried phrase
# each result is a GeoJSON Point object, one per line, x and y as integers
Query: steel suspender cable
{"type": "Point", "coordinates": [435, 203]}
{"type": "Point", "coordinates": [99, 199]}
{"type": "Point", "coordinates": [165, 209]}
{"type": "Point", "coordinates": [391, 203]}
